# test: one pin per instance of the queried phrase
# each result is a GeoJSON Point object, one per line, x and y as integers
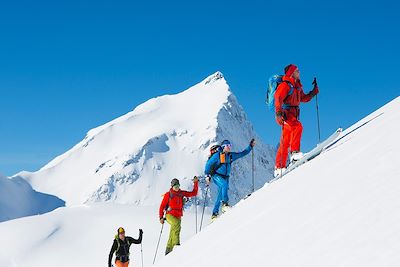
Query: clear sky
{"type": "Point", "coordinates": [69, 66]}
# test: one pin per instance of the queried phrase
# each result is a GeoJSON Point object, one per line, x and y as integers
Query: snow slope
{"type": "Point", "coordinates": [132, 159]}
{"type": "Point", "coordinates": [18, 199]}
{"type": "Point", "coordinates": [341, 209]}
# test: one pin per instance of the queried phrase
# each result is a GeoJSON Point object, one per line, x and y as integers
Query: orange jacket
{"type": "Point", "coordinates": [289, 104]}
{"type": "Point", "coordinates": [175, 198]}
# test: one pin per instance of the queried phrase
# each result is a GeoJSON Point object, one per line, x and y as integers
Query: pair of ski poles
{"type": "Point", "coordinates": [201, 222]}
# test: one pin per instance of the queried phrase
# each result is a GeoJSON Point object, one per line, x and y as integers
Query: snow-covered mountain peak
{"type": "Point", "coordinates": [214, 77]}
{"type": "Point", "coordinates": [131, 159]}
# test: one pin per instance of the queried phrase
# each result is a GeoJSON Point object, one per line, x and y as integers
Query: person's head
{"type": "Point", "coordinates": [292, 70]}
{"type": "Point", "coordinates": [175, 184]}
{"type": "Point", "coordinates": [226, 146]}
{"type": "Point", "coordinates": [121, 233]}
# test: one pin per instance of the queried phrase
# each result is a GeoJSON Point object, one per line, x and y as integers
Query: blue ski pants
{"type": "Point", "coordinates": [223, 186]}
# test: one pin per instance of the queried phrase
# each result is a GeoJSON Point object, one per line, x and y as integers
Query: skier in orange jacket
{"type": "Point", "coordinates": [288, 96]}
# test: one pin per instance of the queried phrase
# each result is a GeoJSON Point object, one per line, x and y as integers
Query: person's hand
{"type": "Point", "coordinates": [140, 231]}
{"type": "Point", "coordinates": [195, 179]}
{"type": "Point", "coordinates": [252, 142]}
{"type": "Point", "coordinates": [208, 180]}
{"type": "Point", "coordinates": [315, 90]}
{"type": "Point", "coordinates": [162, 220]}
{"type": "Point", "coordinates": [280, 117]}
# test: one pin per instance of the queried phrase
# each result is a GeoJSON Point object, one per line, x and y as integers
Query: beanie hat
{"type": "Point", "coordinates": [289, 69]}
{"type": "Point", "coordinates": [120, 230]}
{"type": "Point", "coordinates": [225, 143]}
{"type": "Point", "coordinates": [174, 182]}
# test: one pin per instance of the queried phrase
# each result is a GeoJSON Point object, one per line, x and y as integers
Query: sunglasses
{"type": "Point", "coordinates": [229, 146]}
{"type": "Point", "coordinates": [176, 186]}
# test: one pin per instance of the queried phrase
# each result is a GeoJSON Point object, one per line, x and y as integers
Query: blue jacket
{"type": "Point", "coordinates": [224, 169]}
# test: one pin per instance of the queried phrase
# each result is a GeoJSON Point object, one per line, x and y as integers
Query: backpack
{"type": "Point", "coordinates": [214, 149]}
{"type": "Point", "coordinates": [119, 246]}
{"type": "Point", "coordinates": [222, 157]}
{"type": "Point", "coordinates": [273, 82]}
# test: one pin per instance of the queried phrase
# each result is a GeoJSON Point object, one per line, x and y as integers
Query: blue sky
{"type": "Point", "coordinates": [69, 66]}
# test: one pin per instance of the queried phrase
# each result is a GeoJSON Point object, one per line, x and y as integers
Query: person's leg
{"type": "Point", "coordinates": [170, 241]}
{"type": "Point", "coordinates": [174, 235]}
{"type": "Point", "coordinates": [296, 132]}
{"type": "Point", "coordinates": [217, 180]}
{"type": "Point", "coordinates": [282, 153]}
{"type": "Point", "coordinates": [225, 187]}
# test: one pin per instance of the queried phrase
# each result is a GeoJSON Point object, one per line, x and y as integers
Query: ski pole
{"type": "Point", "coordinates": [141, 250]}
{"type": "Point", "coordinates": [158, 243]}
{"type": "Point", "coordinates": [204, 207]}
{"type": "Point", "coordinates": [252, 166]}
{"type": "Point", "coordinates": [195, 206]}
{"type": "Point", "coordinates": [281, 146]}
{"type": "Point", "coordinates": [316, 103]}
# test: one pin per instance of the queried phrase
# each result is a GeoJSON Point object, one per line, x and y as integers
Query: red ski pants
{"type": "Point", "coordinates": [290, 139]}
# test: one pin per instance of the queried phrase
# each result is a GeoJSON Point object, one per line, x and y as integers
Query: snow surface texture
{"type": "Point", "coordinates": [18, 199]}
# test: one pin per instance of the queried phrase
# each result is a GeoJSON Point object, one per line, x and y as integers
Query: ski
{"type": "Point", "coordinates": [311, 154]}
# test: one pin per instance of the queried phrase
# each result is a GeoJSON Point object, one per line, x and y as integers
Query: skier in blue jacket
{"type": "Point", "coordinates": [218, 167]}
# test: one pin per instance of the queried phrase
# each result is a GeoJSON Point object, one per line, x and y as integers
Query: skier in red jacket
{"type": "Point", "coordinates": [173, 203]}
{"type": "Point", "coordinates": [288, 96]}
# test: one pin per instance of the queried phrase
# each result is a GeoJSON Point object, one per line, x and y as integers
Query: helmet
{"type": "Point", "coordinates": [120, 230]}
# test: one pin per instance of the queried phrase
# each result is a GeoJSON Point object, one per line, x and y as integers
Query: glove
{"type": "Point", "coordinates": [162, 220]}
{"type": "Point", "coordinates": [195, 179]}
{"type": "Point", "coordinates": [280, 117]}
{"type": "Point", "coordinates": [140, 231]}
{"type": "Point", "coordinates": [252, 142]}
{"type": "Point", "coordinates": [208, 180]}
{"type": "Point", "coordinates": [315, 91]}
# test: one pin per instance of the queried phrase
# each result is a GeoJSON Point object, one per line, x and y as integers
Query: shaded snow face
{"type": "Point", "coordinates": [18, 199]}
{"type": "Point", "coordinates": [132, 159]}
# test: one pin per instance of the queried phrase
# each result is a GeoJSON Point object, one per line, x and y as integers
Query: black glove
{"type": "Point", "coordinates": [252, 142]}
{"type": "Point", "coordinates": [140, 231]}
{"type": "Point", "coordinates": [315, 90]}
{"type": "Point", "coordinates": [280, 117]}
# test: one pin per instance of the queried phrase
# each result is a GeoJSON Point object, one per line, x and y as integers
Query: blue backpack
{"type": "Point", "coordinates": [273, 82]}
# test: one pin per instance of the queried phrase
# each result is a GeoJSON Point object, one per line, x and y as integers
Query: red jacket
{"type": "Point", "coordinates": [175, 198]}
{"type": "Point", "coordinates": [291, 101]}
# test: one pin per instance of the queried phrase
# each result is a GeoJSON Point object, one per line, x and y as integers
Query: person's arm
{"type": "Point", "coordinates": [307, 97]}
{"type": "Point", "coordinates": [211, 163]}
{"type": "Point", "coordinates": [163, 205]}
{"type": "Point", "coordinates": [280, 94]}
{"type": "Point", "coordinates": [192, 193]}
{"type": "Point", "coordinates": [238, 155]}
{"type": "Point", "coordinates": [136, 241]}
{"type": "Point", "coordinates": [113, 249]}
